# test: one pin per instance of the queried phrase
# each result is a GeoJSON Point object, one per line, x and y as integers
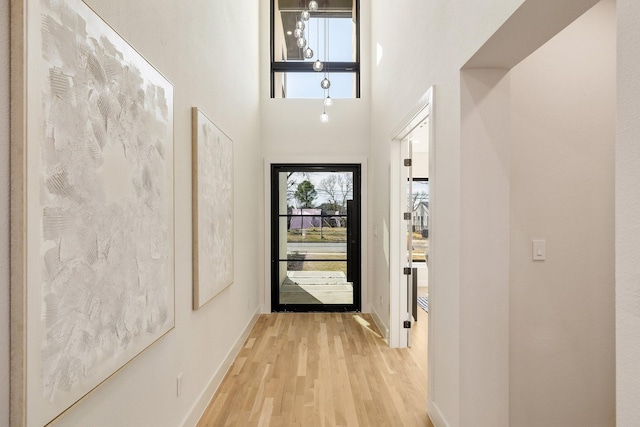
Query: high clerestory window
{"type": "Point", "coordinates": [332, 33]}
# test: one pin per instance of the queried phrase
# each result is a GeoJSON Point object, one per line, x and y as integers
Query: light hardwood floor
{"type": "Point", "coordinates": [323, 369]}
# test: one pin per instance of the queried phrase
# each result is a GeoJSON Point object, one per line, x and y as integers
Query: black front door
{"type": "Point", "coordinates": [315, 237]}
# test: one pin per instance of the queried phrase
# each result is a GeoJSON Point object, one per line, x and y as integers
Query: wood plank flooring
{"type": "Point", "coordinates": [323, 369]}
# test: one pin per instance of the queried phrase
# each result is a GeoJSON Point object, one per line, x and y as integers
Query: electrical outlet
{"type": "Point", "coordinates": [380, 301]}
{"type": "Point", "coordinates": [179, 385]}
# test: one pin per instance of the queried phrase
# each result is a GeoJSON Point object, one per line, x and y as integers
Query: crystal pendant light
{"type": "Point", "coordinates": [324, 117]}
{"type": "Point", "coordinates": [313, 6]}
{"type": "Point", "coordinates": [302, 42]}
{"type": "Point", "coordinates": [325, 83]}
{"type": "Point", "coordinates": [308, 53]}
{"type": "Point", "coordinates": [328, 102]}
{"type": "Point", "coordinates": [300, 25]}
{"type": "Point", "coordinates": [298, 33]}
{"type": "Point", "coordinates": [317, 64]}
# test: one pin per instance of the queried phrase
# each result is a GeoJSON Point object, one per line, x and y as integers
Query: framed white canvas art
{"type": "Point", "coordinates": [92, 206]}
{"type": "Point", "coordinates": [212, 209]}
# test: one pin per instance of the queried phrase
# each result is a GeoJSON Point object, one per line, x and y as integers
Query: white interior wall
{"type": "Point", "coordinates": [421, 164]}
{"type": "Point", "coordinates": [292, 127]}
{"type": "Point", "coordinates": [196, 56]}
{"type": "Point", "coordinates": [4, 212]}
{"type": "Point", "coordinates": [627, 231]}
{"type": "Point", "coordinates": [562, 190]}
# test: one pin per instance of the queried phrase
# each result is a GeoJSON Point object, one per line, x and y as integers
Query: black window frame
{"type": "Point", "coordinates": [307, 66]}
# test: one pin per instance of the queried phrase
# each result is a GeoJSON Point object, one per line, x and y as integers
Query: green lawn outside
{"type": "Point", "coordinates": [318, 235]}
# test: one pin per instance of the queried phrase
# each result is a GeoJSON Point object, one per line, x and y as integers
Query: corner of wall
{"type": "Point", "coordinates": [382, 327]}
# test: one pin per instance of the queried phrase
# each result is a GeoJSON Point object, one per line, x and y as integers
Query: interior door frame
{"type": "Point", "coordinates": [355, 233]}
{"type": "Point", "coordinates": [421, 112]}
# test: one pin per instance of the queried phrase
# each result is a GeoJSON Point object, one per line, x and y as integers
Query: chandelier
{"type": "Point", "coordinates": [307, 52]}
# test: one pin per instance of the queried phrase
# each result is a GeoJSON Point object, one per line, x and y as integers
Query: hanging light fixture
{"type": "Point", "coordinates": [299, 34]}
{"type": "Point", "coordinates": [317, 64]}
{"type": "Point", "coordinates": [326, 83]}
{"type": "Point", "coordinates": [324, 117]}
{"type": "Point", "coordinates": [308, 53]}
{"type": "Point", "coordinates": [328, 102]}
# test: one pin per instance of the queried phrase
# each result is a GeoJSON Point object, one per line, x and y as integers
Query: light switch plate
{"type": "Point", "coordinates": [539, 250]}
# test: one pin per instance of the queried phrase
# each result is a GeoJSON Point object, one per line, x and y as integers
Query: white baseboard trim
{"type": "Point", "coordinates": [379, 323]}
{"type": "Point", "coordinates": [198, 408]}
{"type": "Point", "coordinates": [435, 415]}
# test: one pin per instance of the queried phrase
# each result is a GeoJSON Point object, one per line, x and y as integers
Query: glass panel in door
{"type": "Point", "coordinates": [420, 218]}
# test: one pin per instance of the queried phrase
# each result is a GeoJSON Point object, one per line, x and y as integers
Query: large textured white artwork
{"type": "Point", "coordinates": [99, 206]}
{"type": "Point", "coordinates": [213, 209]}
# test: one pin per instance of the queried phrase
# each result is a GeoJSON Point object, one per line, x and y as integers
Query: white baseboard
{"type": "Point", "coordinates": [198, 408]}
{"type": "Point", "coordinates": [379, 323]}
{"type": "Point", "coordinates": [436, 416]}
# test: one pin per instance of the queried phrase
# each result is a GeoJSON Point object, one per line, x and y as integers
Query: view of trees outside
{"type": "Point", "coordinates": [322, 198]}
{"type": "Point", "coordinates": [316, 228]}
{"type": "Point", "coordinates": [331, 190]}
{"type": "Point", "coordinates": [306, 194]}
{"type": "Point", "coordinates": [420, 219]}
{"type": "Point", "coordinates": [419, 197]}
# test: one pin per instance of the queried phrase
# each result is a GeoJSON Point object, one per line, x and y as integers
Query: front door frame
{"type": "Point", "coordinates": [272, 242]}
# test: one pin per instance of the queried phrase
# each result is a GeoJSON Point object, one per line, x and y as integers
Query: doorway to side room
{"type": "Point", "coordinates": [412, 222]}
{"type": "Point", "coordinates": [315, 237]}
